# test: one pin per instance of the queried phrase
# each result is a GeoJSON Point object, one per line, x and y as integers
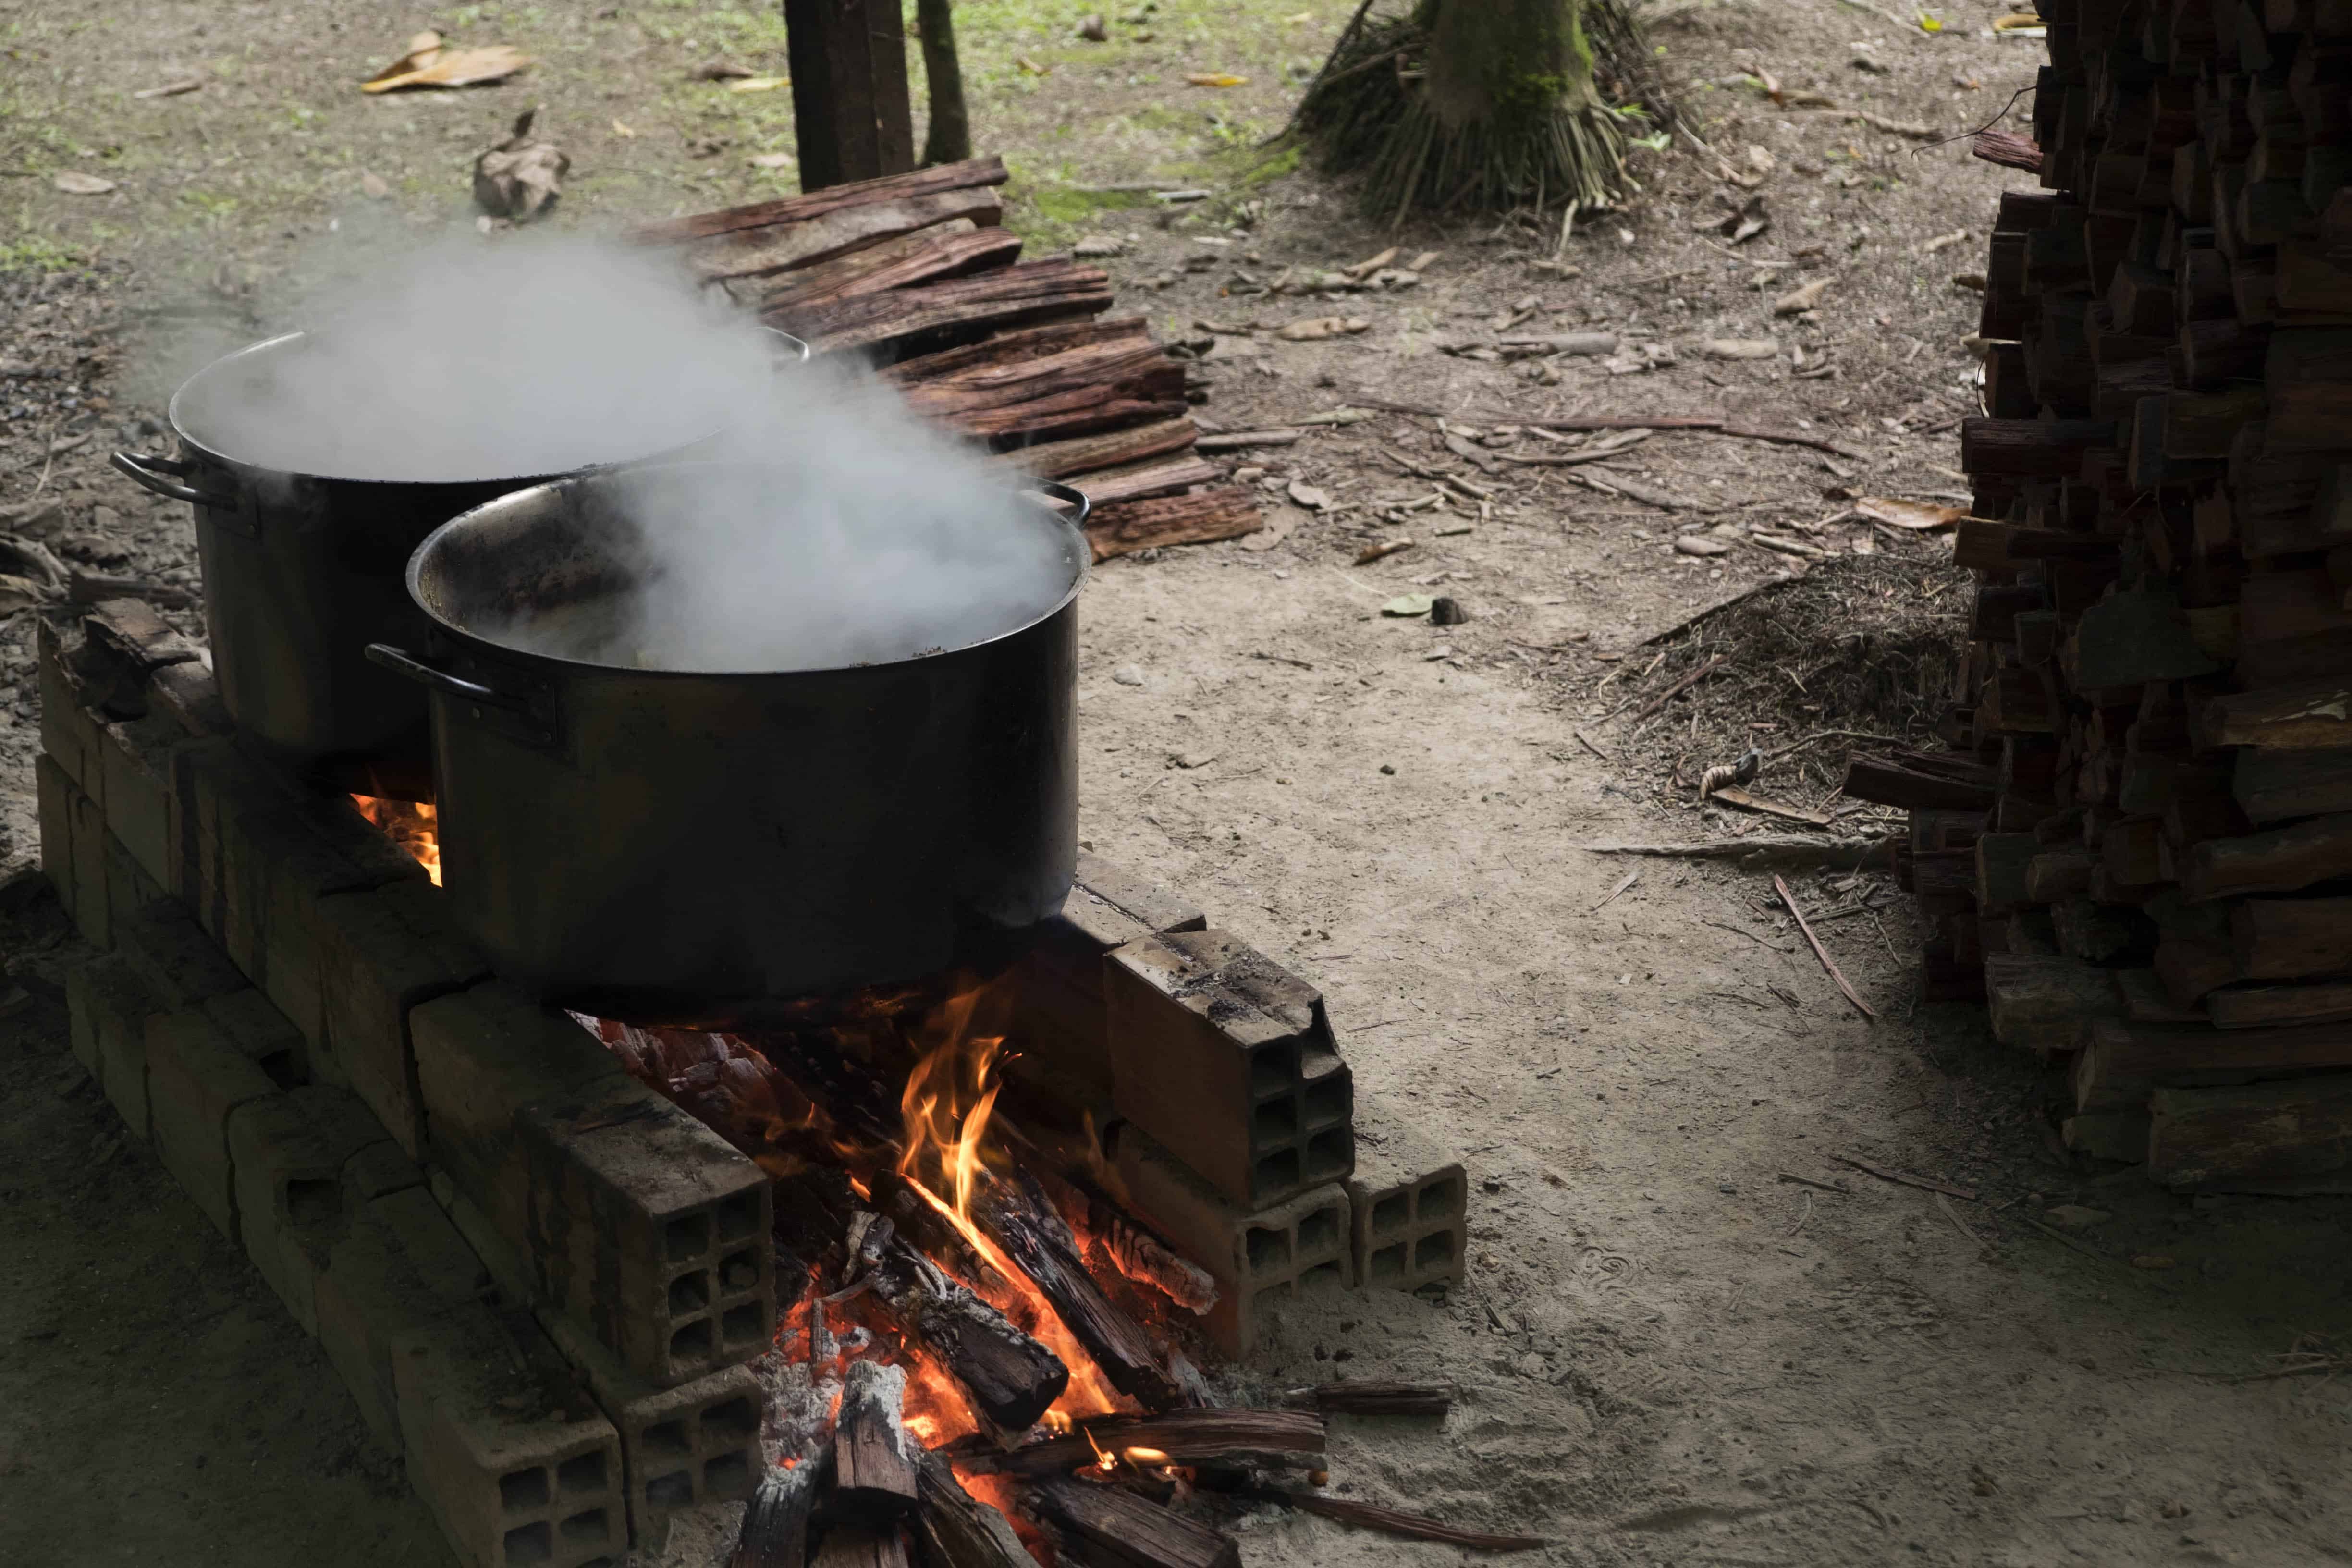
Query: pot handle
{"type": "Point", "coordinates": [1077, 497]}
{"type": "Point", "coordinates": [149, 472]}
{"type": "Point", "coordinates": [417, 669]}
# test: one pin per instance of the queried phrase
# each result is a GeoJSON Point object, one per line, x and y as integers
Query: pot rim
{"type": "Point", "coordinates": [173, 412]}
{"type": "Point", "coordinates": [1079, 553]}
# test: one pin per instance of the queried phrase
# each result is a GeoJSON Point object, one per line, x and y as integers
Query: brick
{"type": "Point", "coordinates": [187, 694]}
{"type": "Point", "coordinates": [1409, 1205]}
{"type": "Point", "coordinates": [128, 885]}
{"type": "Point", "coordinates": [681, 1447]}
{"type": "Point", "coordinates": [55, 792]}
{"type": "Point", "coordinates": [110, 1006]}
{"type": "Point", "coordinates": [195, 1077]}
{"type": "Point", "coordinates": [1058, 1011]}
{"type": "Point", "coordinates": [480, 1056]}
{"type": "Point", "coordinates": [649, 1229]}
{"type": "Point", "coordinates": [68, 730]}
{"type": "Point", "coordinates": [207, 776]}
{"type": "Point", "coordinates": [396, 1270]}
{"type": "Point", "coordinates": [135, 756]}
{"type": "Point", "coordinates": [259, 1031]}
{"type": "Point", "coordinates": [380, 955]}
{"type": "Point", "coordinates": [286, 1154]}
{"type": "Point", "coordinates": [1227, 1060]}
{"type": "Point", "coordinates": [381, 1169]}
{"type": "Point", "coordinates": [92, 904]}
{"type": "Point", "coordinates": [1258, 1259]}
{"type": "Point", "coordinates": [515, 1466]}
{"type": "Point", "coordinates": [182, 965]}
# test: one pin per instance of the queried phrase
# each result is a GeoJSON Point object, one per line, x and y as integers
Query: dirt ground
{"type": "Point", "coordinates": [1671, 1351]}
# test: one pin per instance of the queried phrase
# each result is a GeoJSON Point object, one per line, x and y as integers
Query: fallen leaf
{"type": "Point", "coordinates": [1030, 66]}
{"type": "Point", "coordinates": [773, 161]}
{"type": "Point", "coordinates": [1217, 79]}
{"type": "Point", "coordinates": [1765, 82]}
{"type": "Point", "coordinates": [374, 186]}
{"type": "Point", "coordinates": [1701, 544]}
{"type": "Point", "coordinates": [519, 178]}
{"type": "Point", "coordinates": [1759, 159]}
{"type": "Point", "coordinates": [1918, 515]}
{"type": "Point", "coordinates": [1405, 606]}
{"type": "Point", "coordinates": [1941, 241]}
{"type": "Point", "coordinates": [1798, 301]}
{"type": "Point", "coordinates": [1739, 348]}
{"type": "Point", "coordinates": [1424, 262]}
{"type": "Point", "coordinates": [1316, 328]}
{"type": "Point", "coordinates": [1928, 24]}
{"type": "Point", "coordinates": [449, 68]}
{"type": "Point", "coordinates": [759, 84]}
{"type": "Point", "coordinates": [622, 128]}
{"type": "Point", "coordinates": [21, 594]}
{"type": "Point", "coordinates": [73, 183]}
{"type": "Point", "coordinates": [720, 71]}
{"type": "Point", "coordinates": [173, 89]}
{"type": "Point", "coordinates": [1308, 496]}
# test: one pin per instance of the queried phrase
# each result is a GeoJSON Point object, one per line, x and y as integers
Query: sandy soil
{"type": "Point", "coordinates": [1671, 1352]}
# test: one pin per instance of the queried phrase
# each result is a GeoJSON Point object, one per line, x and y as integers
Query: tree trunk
{"type": "Point", "coordinates": [1505, 63]}
{"type": "Point", "coordinates": [949, 139]}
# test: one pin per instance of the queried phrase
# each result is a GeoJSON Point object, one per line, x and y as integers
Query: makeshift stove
{"type": "Point", "coordinates": [932, 1272]}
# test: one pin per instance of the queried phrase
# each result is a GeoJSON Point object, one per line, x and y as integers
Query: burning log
{"type": "Point", "coordinates": [873, 1456]}
{"type": "Point", "coordinates": [1429, 1399]}
{"type": "Point", "coordinates": [775, 1521]}
{"type": "Point", "coordinates": [854, 1546]}
{"type": "Point", "coordinates": [1016, 1215]}
{"type": "Point", "coordinates": [1111, 1525]}
{"type": "Point", "coordinates": [1217, 1439]}
{"type": "Point", "coordinates": [958, 1530]}
{"type": "Point", "coordinates": [932, 1233]}
{"type": "Point", "coordinates": [1143, 1258]}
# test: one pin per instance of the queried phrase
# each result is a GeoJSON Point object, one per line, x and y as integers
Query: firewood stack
{"type": "Point", "coordinates": [2139, 845]}
{"type": "Point", "coordinates": [916, 272]}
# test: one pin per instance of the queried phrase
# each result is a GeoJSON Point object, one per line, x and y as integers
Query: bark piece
{"type": "Point", "coordinates": [1113, 1527]}
{"type": "Point", "coordinates": [1226, 1439]}
{"type": "Point", "coordinates": [2047, 1006]}
{"type": "Point", "coordinates": [1105, 449]}
{"type": "Point", "coordinates": [2268, 1137]}
{"type": "Point", "coordinates": [944, 249]}
{"type": "Point", "coordinates": [1224, 511]}
{"type": "Point", "coordinates": [1143, 481]}
{"type": "Point", "coordinates": [755, 252]}
{"type": "Point", "coordinates": [1023, 292]}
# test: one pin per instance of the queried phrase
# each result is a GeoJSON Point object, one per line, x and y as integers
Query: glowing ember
{"type": "Point", "coordinates": [412, 825]}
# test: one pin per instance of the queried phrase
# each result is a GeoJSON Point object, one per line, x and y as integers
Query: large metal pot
{"type": "Point", "coordinates": [667, 847]}
{"type": "Point", "coordinates": [302, 571]}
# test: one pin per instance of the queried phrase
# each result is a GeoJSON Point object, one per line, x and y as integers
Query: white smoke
{"type": "Point", "coordinates": [809, 522]}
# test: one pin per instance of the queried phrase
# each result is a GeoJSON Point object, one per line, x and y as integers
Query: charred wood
{"type": "Point", "coordinates": [1112, 1526]}
{"type": "Point", "coordinates": [1393, 1521]}
{"type": "Point", "coordinates": [873, 1456]}
{"type": "Point", "coordinates": [1255, 1439]}
{"type": "Point", "coordinates": [959, 1530]}
{"type": "Point", "coordinates": [1009, 1378]}
{"type": "Point", "coordinates": [856, 1546]}
{"type": "Point", "coordinates": [1019, 1218]}
{"type": "Point", "coordinates": [775, 1532]}
{"type": "Point", "coordinates": [1433, 1400]}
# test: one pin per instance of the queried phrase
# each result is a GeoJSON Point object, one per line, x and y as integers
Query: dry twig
{"type": "Point", "coordinates": [1781, 887]}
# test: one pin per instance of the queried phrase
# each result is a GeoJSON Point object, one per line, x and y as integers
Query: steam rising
{"type": "Point", "coordinates": [809, 522]}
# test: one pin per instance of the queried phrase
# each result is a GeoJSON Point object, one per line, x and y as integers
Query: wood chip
{"type": "Point", "coordinates": [1732, 795]}
{"type": "Point", "coordinates": [1789, 899]}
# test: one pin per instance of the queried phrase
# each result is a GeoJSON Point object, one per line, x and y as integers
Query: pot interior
{"type": "Point", "coordinates": [744, 568]}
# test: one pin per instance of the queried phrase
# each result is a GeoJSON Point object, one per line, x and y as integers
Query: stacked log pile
{"type": "Point", "coordinates": [2139, 845]}
{"type": "Point", "coordinates": [916, 272]}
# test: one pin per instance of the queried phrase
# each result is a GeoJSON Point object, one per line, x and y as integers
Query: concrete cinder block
{"type": "Point", "coordinates": [259, 1031]}
{"type": "Point", "coordinates": [1408, 1202]}
{"type": "Point", "coordinates": [55, 792]}
{"type": "Point", "coordinates": [135, 755]}
{"type": "Point", "coordinates": [208, 777]}
{"type": "Point", "coordinates": [128, 885]}
{"type": "Point", "coordinates": [514, 1460]}
{"type": "Point", "coordinates": [380, 954]}
{"type": "Point", "coordinates": [187, 694]}
{"type": "Point", "coordinates": [92, 903]}
{"type": "Point", "coordinates": [1227, 1060]}
{"type": "Point", "coordinates": [127, 641]}
{"type": "Point", "coordinates": [1258, 1259]}
{"type": "Point", "coordinates": [379, 1170]}
{"type": "Point", "coordinates": [481, 1055]}
{"type": "Point", "coordinates": [183, 966]}
{"type": "Point", "coordinates": [649, 1229]}
{"type": "Point", "coordinates": [1059, 1013]}
{"type": "Point", "coordinates": [68, 728]}
{"type": "Point", "coordinates": [195, 1077]}
{"type": "Point", "coordinates": [286, 1157]}
{"type": "Point", "coordinates": [681, 1447]}
{"type": "Point", "coordinates": [110, 1006]}
{"type": "Point", "coordinates": [398, 1269]}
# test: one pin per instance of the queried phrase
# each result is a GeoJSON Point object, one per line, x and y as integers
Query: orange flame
{"type": "Point", "coordinates": [414, 825]}
{"type": "Point", "coordinates": [947, 1104]}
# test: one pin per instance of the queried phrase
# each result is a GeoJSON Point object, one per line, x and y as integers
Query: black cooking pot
{"type": "Point", "coordinates": [698, 848]}
{"type": "Point", "coordinates": [301, 572]}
